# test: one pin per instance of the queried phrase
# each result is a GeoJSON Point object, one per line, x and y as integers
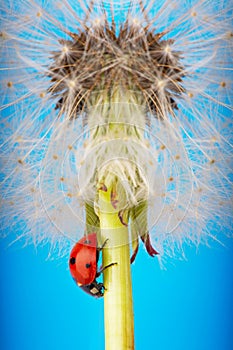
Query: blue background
{"type": "Point", "coordinates": [187, 306]}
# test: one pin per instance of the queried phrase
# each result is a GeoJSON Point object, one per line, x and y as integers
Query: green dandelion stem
{"type": "Point", "coordinates": [118, 301]}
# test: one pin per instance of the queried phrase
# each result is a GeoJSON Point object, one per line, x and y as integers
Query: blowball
{"type": "Point", "coordinates": [93, 93]}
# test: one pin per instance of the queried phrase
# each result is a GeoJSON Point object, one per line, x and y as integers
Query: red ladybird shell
{"type": "Point", "coordinates": [85, 266]}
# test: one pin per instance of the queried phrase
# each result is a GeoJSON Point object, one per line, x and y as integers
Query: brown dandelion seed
{"type": "Point", "coordinates": [70, 147]}
{"type": "Point", "coordinates": [19, 139]}
{"type": "Point", "coordinates": [212, 161]}
{"type": "Point", "coordinates": [20, 161]}
{"type": "Point", "coordinates": [229, 35]}
{"type": "Point", "coordinates": [171, 178]}
{"type": "Point", "coordinates": [69, 195]}
{"type": "Point", "coordinates": [162, 147]}
{"type": "Point", "coordinates": [177, 157]}
{"type": "Point", "coordinates": [213, 139]}
{"type": "Point", "coordinates": [223, 84]}
{"type": "Point", "coordinates": [42, 95]}
{"type": "Point", "coordinates": [9, 84]}
{"type": "Point", "coordinates": [4, 35]}
{"type": "Point", "coordinates": [55, 157]}
{"type": "Point", "coordinates": [62, 179]}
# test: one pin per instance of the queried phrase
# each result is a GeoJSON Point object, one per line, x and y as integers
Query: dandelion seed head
{"type": "Point", "coordinates": [144, 95]}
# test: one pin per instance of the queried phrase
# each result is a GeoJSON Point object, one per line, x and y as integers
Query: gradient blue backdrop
{"type": "Point", "coordinates": [188, 306]}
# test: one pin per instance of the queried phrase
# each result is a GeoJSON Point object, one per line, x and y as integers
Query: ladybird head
{"type": "Point", "coordinates": [94, 289]}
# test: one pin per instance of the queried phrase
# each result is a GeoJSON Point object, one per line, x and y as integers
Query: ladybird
{"type": "Point", "coordinates": [83, 265]}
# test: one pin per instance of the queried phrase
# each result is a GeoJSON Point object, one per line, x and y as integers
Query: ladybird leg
{"type": "Point", "coordinates": [103, 245]}
{"type": "Point", "coordinates": [104, 268]}
{"type": "Point", "coordinates": [98, 250]}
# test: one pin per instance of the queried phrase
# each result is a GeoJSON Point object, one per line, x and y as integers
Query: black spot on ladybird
{"type": "Point", "coordinates": [88, 266]}
{"type": "Point", "coordinates": [87, 241]}
{"type": "Point", "coordinates": [72, 261]}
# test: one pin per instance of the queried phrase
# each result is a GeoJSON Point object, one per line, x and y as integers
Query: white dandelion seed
{"type": "Point", "coordinates": [144, 94]}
